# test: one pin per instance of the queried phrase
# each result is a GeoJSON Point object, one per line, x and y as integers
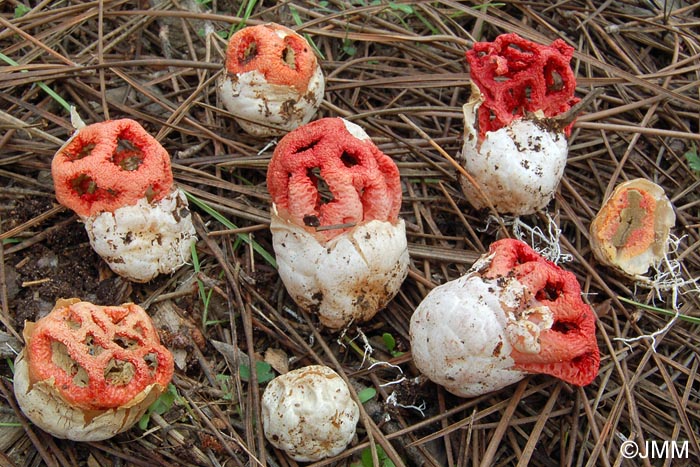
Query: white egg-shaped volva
{"type": "Point", "coordinates": [309, 413]}
{"type": "Point", "coordinates": [517, 167]}
{"type": "Point", "coordinates": [459, 338]}
{"type": "Point", "coordinates": [514, 313]}
{"type": "Point", "coordinates": [348, 278]}
{"type": "Point", "coordinates": [145, 239]}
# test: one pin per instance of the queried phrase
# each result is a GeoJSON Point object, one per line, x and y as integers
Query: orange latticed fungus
{"type": "Point", "coordinates": [512, 314]}
{"type": "Point", "coordinates": [89, 372]}
{"type": "Point", "coordinates": [272, 81]}
{"type": "Point", "coordinates": [340, 245]}
{"type": "Point", "coordinates": [118, 179]}
{"type": "Point", "coordinates": [107, 165]}
{"type": "Point", "coordinates": [631, 231]}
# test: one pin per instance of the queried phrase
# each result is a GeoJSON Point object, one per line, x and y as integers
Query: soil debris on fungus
{"type": "Point", "coordinates": [398, 71]}
{"type": "Point", "coordinates": [514, 158]}
{"type": "Point", "coordinates": [347, 260]}
{"type": "Point", "coordinates": [272, 82]}
{"type": "Point", "coordinates": [118, 179]}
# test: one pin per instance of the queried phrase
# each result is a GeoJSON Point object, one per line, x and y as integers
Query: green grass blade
{"type": "Point", "coordinates": [258, 248]}
{"type": "Point", "coordinates": [244, 12]}
{"type": "Point", "coordinates": [195, 257]}
{"type": "Point", "coordinates": [203, 296]}
{"type": "Point", "coordinates": [690, 319]}
{"type": "Point", "coordinates": [299, 22]}
{"type": "Point", "coordinates": [43, 86]}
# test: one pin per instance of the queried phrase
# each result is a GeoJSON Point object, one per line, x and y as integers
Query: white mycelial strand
{"type": "Point", "coordinates": [146, 239]}
{"type": "Point", "coordinates": [348, 278]}
{"type": "Point", "coordinates": [668, 277]}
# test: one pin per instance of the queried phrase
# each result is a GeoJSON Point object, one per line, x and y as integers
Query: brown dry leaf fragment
{"type": "Point", "coordinates": [277, 358]}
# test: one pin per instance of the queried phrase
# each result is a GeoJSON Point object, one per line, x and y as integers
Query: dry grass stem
{"type": "Point", "coordinates": [398, 70]}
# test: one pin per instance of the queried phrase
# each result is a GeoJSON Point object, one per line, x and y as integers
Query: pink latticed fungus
{"type": "Point", "coordinates": [631, 230]}
{"type": "Point", "coordinates": [118, 179]}
{"type": "Point", "coordinates": [514, 147]}
{"type": "Point", "coordinates": [272, 81]}
{"type": "Point", "coordinates": [512, 314]}
{"type": "Point", "coordinates": [340, 245]}
{"type": "Point", "coordinates": [89, 372]}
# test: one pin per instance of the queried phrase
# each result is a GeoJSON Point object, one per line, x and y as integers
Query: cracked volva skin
{"type": "Point", "coordinates": [513, 314]}
{"type": "Point", "coordinates": [141, 241]}
{"type": "Point", "coordinates": [518, 167]}
{"type": "Point", "coordinates": [340, 246]}
{"type": "Point", "coordinates": [309, 413]}
{"type": "Point", "coordinates": [512, 147]}
{"type": "Point", "coordinates": [88, 372]}
{"type": "Point", "coordinates": [272, 82]}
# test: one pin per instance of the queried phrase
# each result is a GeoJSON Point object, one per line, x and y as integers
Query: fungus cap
{"type": "Point", "coordinates": [111, 164]}
{"type": "Point", "coordinates": [515, 77]}
{"type": "Point", "coordinates": [272, 81]}
{"type": "Point", "coordinates": [281, 55]}
{"type": "Point", "coordinates": [514, 313]}
{"type": "Point", "coordinates": [631, 230]}
{"type": "Point", "coordinates": [309, 413]}
{"type": "Point", "coordinates": [328, 173]}
{"type": "Point", "coordinates": [89, 372]}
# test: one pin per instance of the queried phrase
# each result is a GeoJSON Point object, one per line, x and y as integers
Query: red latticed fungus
{"type": "Point", "coordinates": [118, 179]}
{"type": "Point", "coordinates": [272, 81]}
{"type": "Point", "coordinates": [631, 231]}
{"type": "Point", "coordinates": [340, 245]}
{"type": "Point", "coordinates": [512, 314]}
{"type": "Point", "coordinates": [514, 147]}
{"type": "Point", "coordinates": [309, 413]}
{"type": "Point", "coordinates": [88, 372]}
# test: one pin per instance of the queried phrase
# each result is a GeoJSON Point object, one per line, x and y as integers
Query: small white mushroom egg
{"type": "Point", "coordinates": [309, 413]}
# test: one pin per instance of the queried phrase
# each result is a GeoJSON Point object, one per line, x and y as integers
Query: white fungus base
{"type": "Point", "coordinates": [43, 405]}
{"type": "Point", "coordinates": [518, 167]}
{"type": "Point", "coordinates": [141, 241]}
{"type": "Point", "coordinates": [309, 413]}
{"type": "Point", "coordinates": [463, 332]}
{"type": "Point", "coordinates": [347, 279]}
{"type": "Point", "coordinates": [264, 109]}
